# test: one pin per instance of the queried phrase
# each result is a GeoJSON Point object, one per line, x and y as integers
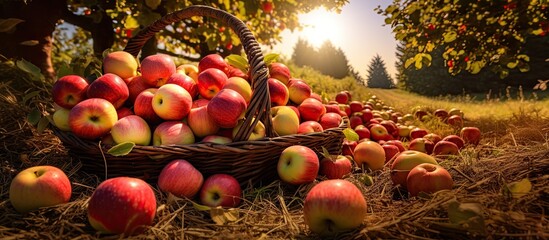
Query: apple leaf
{"type": "Point", "coordinates": [366, 179]}
{"type": "Point", "coordinates": [518, 189]}
{"type": "Point", "coordinates": [270, 58]}
{"type": "Point", "coordinates": [121, 149]}
{"type": "Point", "coordinates": [29, 68]}
{"type": "Point", "coordinates": [200, 207]}
{"type": "Point", "coordinates": [34, 116]}
{"type": "Point", "coordinates": [326, 153]}
{"type": "Point", "coordinates": [8, 24]}
{"type": "Point", "coordinates": [467, 215]}
{"type": "Point", "coordinates": [30, 95]}
{"type": "Point", "coordinates": [238, 61]}
{"type": "Point", "coordinates": [221, 216]}
{"type": "Point", "coordinates": [350, 134]}
{"type": "Point", "coordinates": [42, 124]}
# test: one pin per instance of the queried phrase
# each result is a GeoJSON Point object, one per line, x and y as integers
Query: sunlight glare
{"type": "Point", "coordinates": [321, 25]}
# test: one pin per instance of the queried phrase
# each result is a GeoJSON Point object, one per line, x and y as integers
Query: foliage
{"type": "Point", "coordinates": [328, 59]}
{"type": "Point", "coordinates": [377, 76]}
{"type": "Point", "coordinates": [473, 34]}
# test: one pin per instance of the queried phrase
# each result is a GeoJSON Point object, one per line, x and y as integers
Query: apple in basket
{"type": "Point", "coordinates": [334, 206]}
{"type": "Point", "coordinates": [210, 82]}
{"type": "Point", "coordinates": [221, 190]}
{"type": "Point", "coordinates": [120, 63]}
{"type": "Point", "coordinates": [69, 90]}
{"type": "Point", "coordinates": [241, 86]}
{"type": "Point", "coordinates": [170, 179]}
{"type": "Point", "coordinates": [214, 61]}
{"type": "Point", "coordinates": [156, 69]}
{"type": "Point", "coordinates": [131, 128]}
{"type": "Point", "coordinates": [330, 120]}
{"type": "Point", "coordinates": [110, 87]}
{"type": "Point", "coordinates": [226, 108]}
{"type": "Point", "coordinates": [278, 92]}
{"type": "Point", "coordinates": [311, 110]}
{"type": "Point", "coordinates": [39, 186]}
{"type": "Point", "coordinates": [122, 205]}
{"type": "Point", "coordinates": [172, 102]}
{"type": "Point", "coordinates": [299, 90]}
{"type": "Point", "coordinates": [185, 82]}
{"type": "Point", "coordinates": [92, 118]}
{"type": "Point", "coordinates": [173, 132]}
{"type": "Point", "coordinates": [143, 106]}
{"type": "Point", "coordinates": [190, 70]}
{"type": "Point", "coordinates": [428, 178]}
{"type": "Point", "coordinates": [298, 165]}
{"type": "Point", "coordinates": [310, 127]}
{"type": "Point", "coordinates": [279, 71]}
{"type": "Point", "coordinates": [201, 122]}
{"type": "Point", "coordinates": [284, 120]}
{"type": "Point", "coordinates": [258, 132]}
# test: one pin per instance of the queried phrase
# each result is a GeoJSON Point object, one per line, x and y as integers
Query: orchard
{"type": "Point", "coordinates": [403, 166]}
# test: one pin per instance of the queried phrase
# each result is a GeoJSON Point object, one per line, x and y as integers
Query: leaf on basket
{"type": "Point", "coordinates": [270, 58]}
{"type": "Point", "coordinates": [518, 189]}
{"type": "Point", "coordinates": [238, 61]}
{"type": "Point", "coordinates": [221, 216]}
{"type": "Point", "coordinates": [350, 134]}
{"type": "Point", "coordinates": [121, 149]}
{"type": "Point", "coordinates": [469, 216]}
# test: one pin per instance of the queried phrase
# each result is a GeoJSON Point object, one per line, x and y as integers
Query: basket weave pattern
{"type": "Point", "coordinates": [247, 161]}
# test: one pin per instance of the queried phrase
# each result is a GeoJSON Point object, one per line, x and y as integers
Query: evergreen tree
{"type": "Point", "coordinates": [328, 60]}
{"type": "Point", "coordinates": [377, 74]}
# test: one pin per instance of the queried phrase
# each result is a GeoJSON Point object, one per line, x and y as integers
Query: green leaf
{"type": "Point", "coordinates": [30, 95]}
{"type": "Point", "coordinates": [8, 24]}
{"type": "Point", "coordinates": [34, 116]}
{"type": "Point", "coordinates": [270, 58]}
{"type": "Point", "coordinates": [29, 68]}
{"type": "Point", "coordinates": [200, 207]}
{"type": "Point", "coordinates": [42, 124]}
{"type": "Point", "coordinates": [520, 188]}
{"type": "Point", "coordinates": [350, 134]}
{"type": "Point", "coordinates": [121, 149]}
{"type": "Point", "coordinates": [238, 61]}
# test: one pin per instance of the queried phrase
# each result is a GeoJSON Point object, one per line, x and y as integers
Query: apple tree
{"type": "Point", "coordinates": [27, 27]}
{"type": "Point", "coordinates": [474, 34]}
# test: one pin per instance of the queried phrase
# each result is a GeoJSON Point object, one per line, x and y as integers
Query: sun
{"type": "Point", "coordinates": [321, 25]}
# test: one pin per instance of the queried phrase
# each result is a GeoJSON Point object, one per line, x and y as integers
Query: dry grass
{"type": "Point", "coordinates": [510, 151]}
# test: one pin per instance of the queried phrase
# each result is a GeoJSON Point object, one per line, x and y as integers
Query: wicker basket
{"type": "Point", "coordinates": [248, 161]}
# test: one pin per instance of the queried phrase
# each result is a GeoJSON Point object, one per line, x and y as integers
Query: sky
{"type": "Point", "coordinates": [358, 31]}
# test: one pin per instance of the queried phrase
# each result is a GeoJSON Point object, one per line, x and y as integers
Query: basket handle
{"type": "Point", "coordinates": [260, 105]}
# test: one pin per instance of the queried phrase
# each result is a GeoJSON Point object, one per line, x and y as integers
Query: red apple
{"type": "Point", "coordinates": [356, 106]}
{"type": "Point", "coordinates": [348, 147]}
{"type": "Point", "coordinates": [333, 206]}
{"type": "Point", "coordinates": [157, 68]}
{"type": "Point", "coordinates": [267, 6]}
{"type": "Point", "coordinates": [363, 132]}
{"type": "Point", "coordinates": [221, 190]}
{"type": "Point", "coordinates": [406, 161]}
{"type": "Point", "coordinates": [367, 115]}
{"type": "Point", "coordinates": [397, 143]}
{"type": "Point", "coordinates": [457, 140]}
{"type": "Point", "coordinates": [172, 102]}
{"type": "Point", "coordinates": [428, 178]}
{"type": "Point", "coordinates": [418, 132]}
{"type": "Point", "coordinates": [190, 70]}
{"type": "Point", "coordinates": [342, 98]}
{"type": "Point", "coordinates": [391, 151]}
{"type": "Point", "coordinates": [226, 108]}
{"type": "Point", "coordinates": [201, 122]}
{"type": "Point", "coordinates": [210, 82]}
{"type": "Point", "coordinates": [92, 118]}
{"type": "Point", "coordinates": [109, 87]}
{"type": "Point", "coordinates": [455, 121]}
{"type": "Point", "coordinates": [172, 132]}
{"type": "Point", "coordinates": [330, 120]}
{"type": "Point", "coordinates": [121, 63]}
{"type": "Point", "coordinates": [445, 148]}
{"type": "Point", "coordinates": [143, 106]}
{"type": "Point", "coordinates": [69, 90]}
{"type": "Point", "coordinates": [39, 186]}
{"type": "Point", "coordinates": [309, 127]}
{"type": "Point", "coordinates": [355, 121]}
{"type": "Point", "coordinates": [200, 102]}
{"type": "Point", "coordinates": [123, 112]}
{"type": "Point", "coordinates": [185, 82]}
{"type": "Point", "coordinates": [433, 137]}
{"type": "Point", "coordinates": [216, 139]}
{"type": "Point", "coordinates": [298, 165]}
{"type": "Point", "coordinates": [335, 167]}
{"type": "Point", "coordinates": [379, 132]}
{"type": "Point", "coordinates": [241, 86]}
{"type": "Point", "coordinates": [299, 91]}
{"type": "Point", "coordinates": [371, 154]}
{"type": "Point", "coordinates": [279, 71]}
{"type": "Point", "coordinates": [170, 179]}
{"type": "Point", "coordinates": [470, 135]}
{"type": "Point", "coordinates": [135, 87]}
{"type": "Point", "coordinates": [311, 110]}
{"type": "Point", "coordinates": [334, 108]}
{"type": "Point", "coordinates": [278, 92]}
{"type": "Point", "coordinates": [213, 61]}
{"type": "Point", "coordinates": [236, 72]}
{"type": "Point", "coordinates": [122, 205]}
{"type": "Point", "coordinates": [441, 114]}
{"type": "Point", "coordinates": [132, 128]}
{"type": "Point", "coordinates": [422, 145]}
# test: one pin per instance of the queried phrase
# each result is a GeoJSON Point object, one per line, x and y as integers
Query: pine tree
{"type": "Point", "coordinates": [328, 59]}
{"type": "Point", "coordinates": [377, 76]}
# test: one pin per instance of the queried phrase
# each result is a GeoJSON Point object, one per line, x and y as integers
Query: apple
{"type": "Point", "coordinates": [316, 96]}
{"type": "Point", "coordinates": [172, 102]}
{"type": "Point", "coordinates": [311, 110]}
{"type": "Point", "coordinates": [190, 70]}
{"type": "Point", "coordinates": [330, 120]}
{"type": "Point", "coordinates": [367, 115]}
{"type": "Point", "coordinates": [200, 102]}
{"type": "Point", "coordinates": [122, 205]}
{"type": "Point", "coordinates": [69, 90]}
{"type": "Point", "coordinates": [433, 137]}
{"type": "Point", "coordinates": [241, 86]}
{"type": "Point", "coordinates": [185, 82]}
{"type": "Point", "coordinates": [258, 132]}
{"type": "Point", "coordinates": [267, 6]}
{"type": "Point", "coordinates": [279, 71]}
{"type": "Point", "coordinates": [299, 91]}
{"type": "Point", "coordinates": [379, 132]}
{"type": "Point", "coordinates": [237, 72]}
{"type": "Point", "coordinates": [391, 151]}
{"type": "Point", "coordinates": [284, 120]}
{"type": "Point", "coordinates": [470, 135]}
{"type": "Point", "coordinates": [121, 63]}
{"type": "Point", "coordinates": [278, 92]}
{"type": "Point", "coordinates": [157, 68]}
{"type": "Point", "coordinates": [92, 118]}
{"type": "Point", "coordinates": [135, 87]}
{"type": "Point", "coordinates": [333, 206]}
{"type": "Point", "coordinates": [170, 179]}
{"type": "Point", "coordinates": [132, 128]}
{"type": "Point", "coordinates": [363, 132]}
{"type": "Point", "coordinates": [216, 139]}
{"type": "Point", "coordinates": [422, 145]}
{"type": "Point", "coordinates": [355, 121]}
{"type": "Point", "coordinates": [221, 190]}
{"type": "Point", "coordinates": [397, 143]}
{"type": "Point", "coordinates": [420, 113]}
{"type": "Point", "coordinates": [111, 88]}
{"type": "Point", "coordinates": [39, 186]}
{"type": "Point", "coordinates": [210, 82]}
{"type": "Point", "coordinates": [123, 112]}
{"type": "Point", "coordinates": [356, 106]}
{"type": "Point", "coordinates": [441, 114]}
{"type": "Point", "coordinates": [390, 126]}
{"type": "Point", "coordinates": [143, 106]}
{"type": "Point", "coordinates": [406, 161]}
{"type": "Point", "coordinates": [404, 131]}
{"type": "Point", "coordinates": [456, 140]}
{"type": "Point", "coordinates": [342, 97]}
{"type": "Point", "coordinates": [226, 108]}
{"type": "Point", "coordinates": [455, 121]}
{"type": "Point", "coordinates": [418, 132]}
{"type": "Point", "coordinates": [455, 111]}
{"type": "Point", "coordinates": [371, 154]}
{"type": "Point", "coordinates": [201, 123]}
{"type": "Point", "coordinates": [61, 119]}
{"type": "Point", "coordinates": [298, 165]}
{"type": "Point", "coordinates": [348, 147]}
{"type": "Point", "coordinates": [334, 167]}
{"type": "Point", "coordinates": [213, 61]}
{"type": "Point", "coordinates": [172, 132]}
{"type": "Point", "coordinates": [407, 118]}
{"type": "Point", "coordinates": [445, 148]}
{"type": "Point", "coordinates": [345, 108]}
{"type": "Point", "coordinates": [333, 108]}
{"type": "Point", "coordinates": [428, 178]}
{"type": "Point", "coordinates": [309, 127]}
